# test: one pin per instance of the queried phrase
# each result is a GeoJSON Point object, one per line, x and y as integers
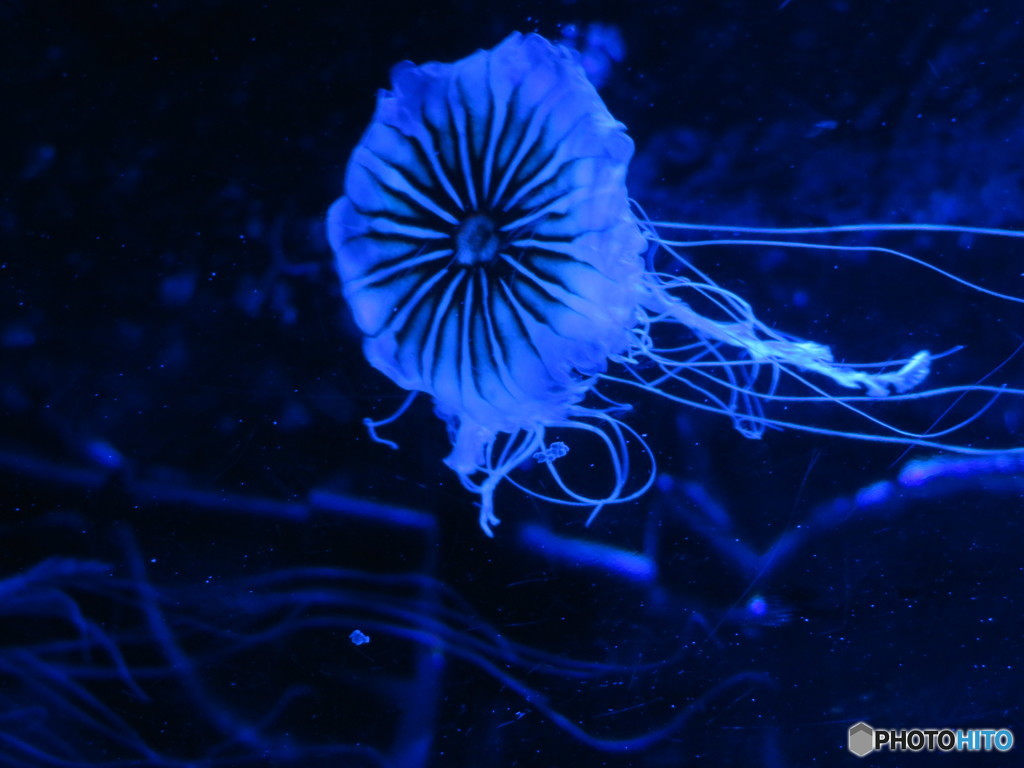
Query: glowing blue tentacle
{"type": "Point", "coordinates": [804, 355]}
{"type": "Point", "coordinates": [853, 248]}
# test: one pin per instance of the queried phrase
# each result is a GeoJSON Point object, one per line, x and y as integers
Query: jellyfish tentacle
{"type": "Point", "coordinates": [618, 455]}
{"type": "Point", "coordinates": [372, 425]}
{"type": "Point", "coordinates": [839, 228]}
{"type": "Point", "coordinates": [764, 345]}
{"type": "Point", "coordinates": [796, 244]}
{"type": "Point", "coordinates": [517, 448]}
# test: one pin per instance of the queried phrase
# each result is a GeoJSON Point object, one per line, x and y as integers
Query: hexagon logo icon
{"type": "Point", "coordinates": [860, 739]}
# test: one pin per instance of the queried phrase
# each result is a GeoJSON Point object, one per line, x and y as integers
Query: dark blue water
{"type": "Point", "coordinates": [198, 536]}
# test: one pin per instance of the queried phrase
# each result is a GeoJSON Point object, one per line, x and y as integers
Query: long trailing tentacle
{"type": "Point", "coordinates": [726, 350]}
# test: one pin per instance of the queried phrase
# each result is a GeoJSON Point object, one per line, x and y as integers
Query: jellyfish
{"type": "Point", "coordinates": [491, 256]}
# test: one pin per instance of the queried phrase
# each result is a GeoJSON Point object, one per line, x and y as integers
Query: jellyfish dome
{"type": "Point", "coordinates": [485, 241]}
{"type": "Point", "coordinates": [493, 260]}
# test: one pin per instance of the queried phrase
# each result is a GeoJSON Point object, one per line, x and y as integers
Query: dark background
{"type": "Point", "coordinates": [188, 528]}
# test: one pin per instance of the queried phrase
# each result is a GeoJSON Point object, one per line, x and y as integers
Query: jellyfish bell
{"type": "Point", "coordinates": [492, 258]}
{"type": "Point", "coordinates": [486, 246]}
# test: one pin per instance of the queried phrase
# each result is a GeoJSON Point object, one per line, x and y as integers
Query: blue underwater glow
{"type": "Point", "coordinates": [198, 537]}
{"type": "Point", "coordinates": [491, 256]}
